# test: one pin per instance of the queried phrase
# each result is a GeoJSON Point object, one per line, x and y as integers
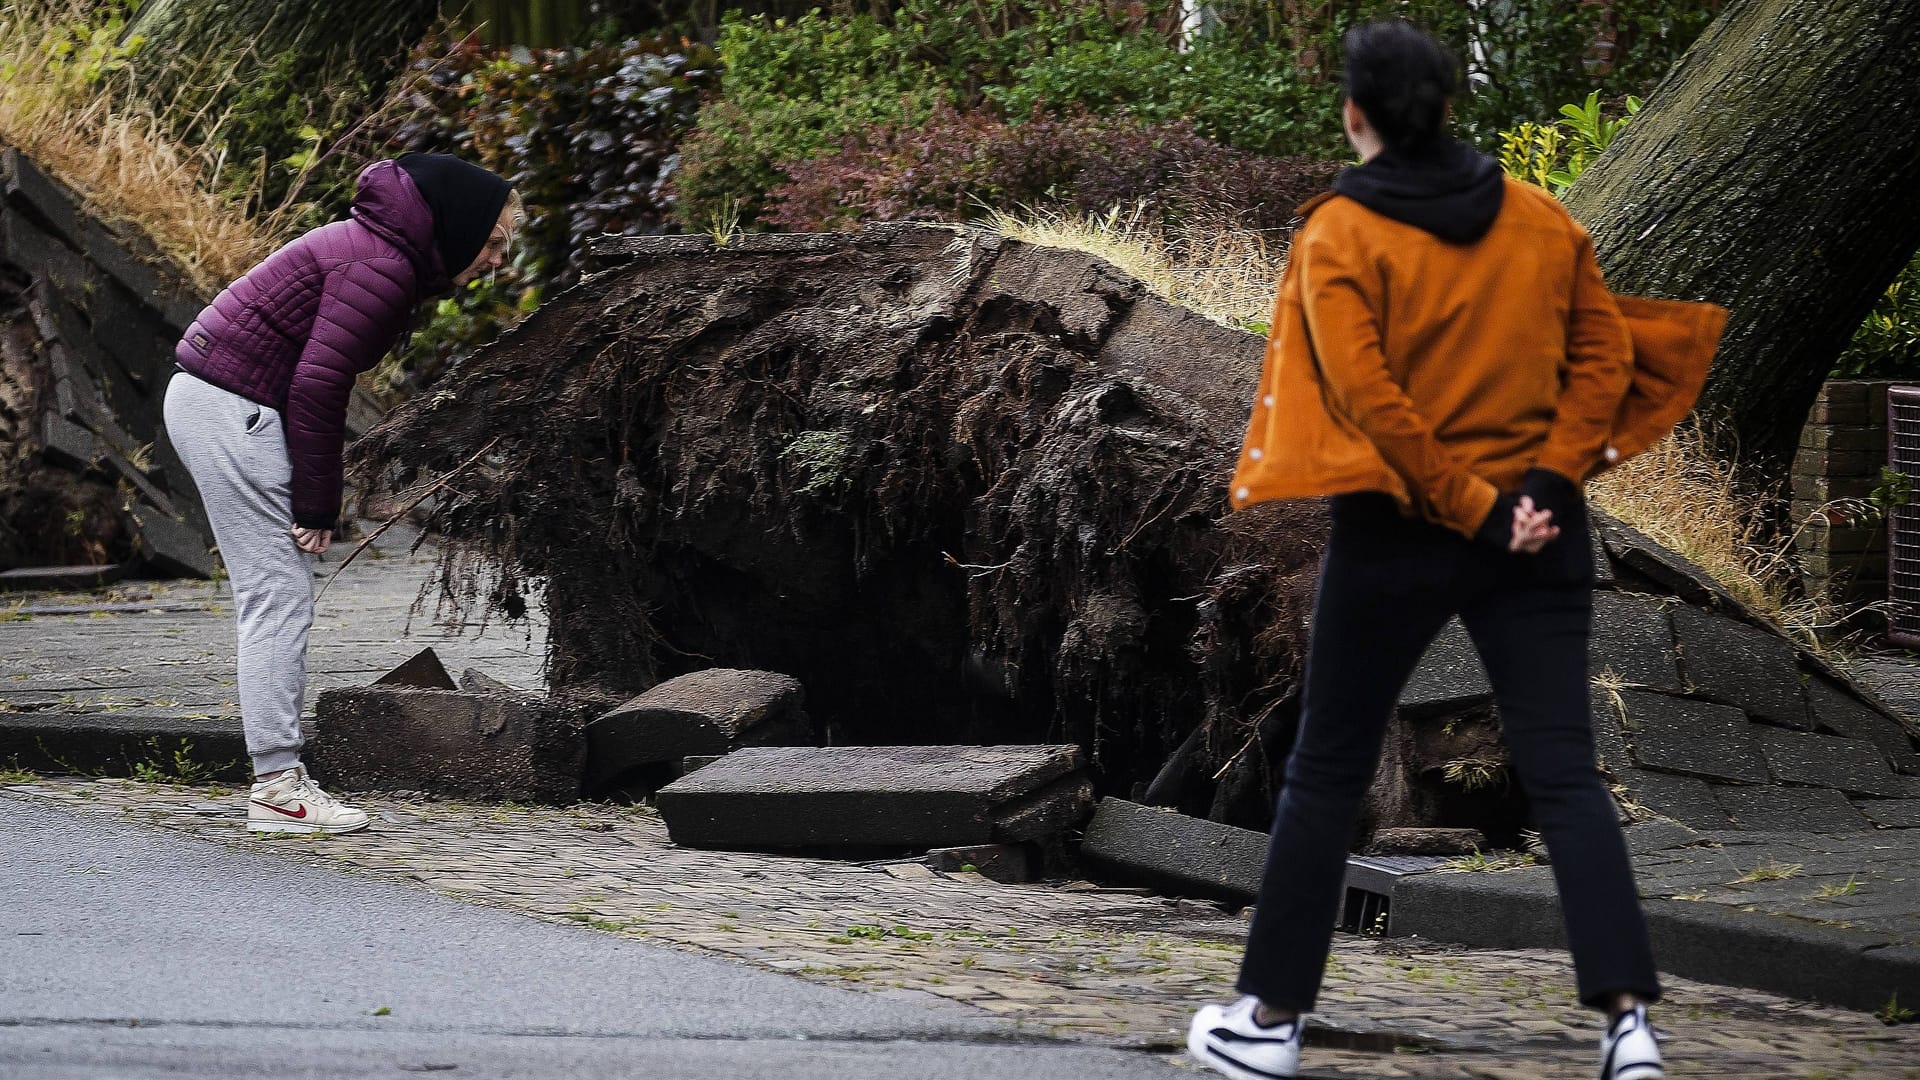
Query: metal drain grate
{"type": "Point", "coordinates": [1903, 524]}
{"type": "Point", "coordinates": [1370, 879]}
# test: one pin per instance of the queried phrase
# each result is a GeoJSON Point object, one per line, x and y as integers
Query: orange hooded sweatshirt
{"type": "Point", "coordinates": [1441, 372]}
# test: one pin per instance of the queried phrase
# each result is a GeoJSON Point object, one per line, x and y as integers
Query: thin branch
{"type": "Point", "coordinates": [404, 511]}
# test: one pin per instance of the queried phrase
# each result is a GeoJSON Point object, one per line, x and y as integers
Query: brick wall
{"type": "Point", "coordinates": [1842, 450]}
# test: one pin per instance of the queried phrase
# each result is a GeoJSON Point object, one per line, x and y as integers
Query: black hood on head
{"type": "Point", "coordinates": [465, 199]}
{"type": "Point", "coordinates": [1453, 192]}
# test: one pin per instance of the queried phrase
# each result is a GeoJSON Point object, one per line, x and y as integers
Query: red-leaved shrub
{"type": "Point", "coordinates": [960, 164]}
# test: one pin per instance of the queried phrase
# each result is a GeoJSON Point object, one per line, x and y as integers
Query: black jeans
{"type": "Point", "coordinates": [1387, 586]}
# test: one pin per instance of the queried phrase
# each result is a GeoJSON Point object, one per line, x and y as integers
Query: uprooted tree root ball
{"type": "Point", "coordinates": [965, 489]}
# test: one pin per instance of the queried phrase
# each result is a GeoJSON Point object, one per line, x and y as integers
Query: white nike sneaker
{"type": "Point", "coordinates": [1228, 1039]}
{"type": "Point", "coordinates": [293, 803]}
{"type": "Point", "coordinates": [1628, 1051]}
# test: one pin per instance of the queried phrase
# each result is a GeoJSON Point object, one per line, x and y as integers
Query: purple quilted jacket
{"type": "Point", "coordinates": [293, 332]}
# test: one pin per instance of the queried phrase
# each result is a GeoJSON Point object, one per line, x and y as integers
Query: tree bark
{"type": "Point", "coordinates": [1772, 172]}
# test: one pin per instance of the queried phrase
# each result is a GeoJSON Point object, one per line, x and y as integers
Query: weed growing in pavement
{"type": "Point", "coordinates": [1770, 871]}
{"type": "Point", "coordinates": [14, 774]}
{"type": "Point", "coordinates": [175, 766]}
{"type": "Point", "coordinates": [1895, 1013]}
{"type": "Point", "coordinates": [1828, 892]}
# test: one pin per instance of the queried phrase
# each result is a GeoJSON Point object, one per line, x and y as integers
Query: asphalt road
{"type": "Point", "coordinates": [130, 952]}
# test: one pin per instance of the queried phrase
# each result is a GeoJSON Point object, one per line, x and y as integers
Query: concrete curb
{"type": "Point", "coordinates": [114, 744]}
{"type": "Point", "coordinates": [1779, 954]}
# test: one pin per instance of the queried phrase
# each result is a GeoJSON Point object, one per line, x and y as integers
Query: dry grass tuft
{"type": "Point", "coordinates": [65, 101]}
{"type": "Point", "coordinates": [1228, 276]}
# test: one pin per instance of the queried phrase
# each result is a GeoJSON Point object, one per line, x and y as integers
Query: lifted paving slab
{"type": "Point", "coordinates": [1832, 918]}
{"type": "Point", "coordinates": [877, 796]}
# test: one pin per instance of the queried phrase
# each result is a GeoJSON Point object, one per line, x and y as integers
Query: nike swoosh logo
{"type": "Point", "coordinates": [279, 810]}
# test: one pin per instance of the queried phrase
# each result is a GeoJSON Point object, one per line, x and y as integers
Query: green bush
{"type": "Point", "coordinates": [1261, 81]}
{"type": "Point", "coordinates": [792, 90]}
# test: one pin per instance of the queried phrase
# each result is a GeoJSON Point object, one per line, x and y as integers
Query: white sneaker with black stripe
{"type": "Point", "coordinates": [1628, 1051]}
{"type": "Point", "coordinates": [1229, 1039]}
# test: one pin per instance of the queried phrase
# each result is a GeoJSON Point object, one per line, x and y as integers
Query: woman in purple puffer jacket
{"type": "Point", "coordinates": [258, 411]}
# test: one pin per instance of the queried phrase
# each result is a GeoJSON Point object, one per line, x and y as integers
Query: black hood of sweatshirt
{"type": "Point", "coordinates": [1453, 192]}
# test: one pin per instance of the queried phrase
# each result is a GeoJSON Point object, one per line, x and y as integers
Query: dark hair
{"type": "Point", "coordinates": [1401, 78]}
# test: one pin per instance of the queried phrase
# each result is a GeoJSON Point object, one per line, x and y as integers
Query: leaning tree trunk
{"type": "Point", "coordinates": [1773, 172]}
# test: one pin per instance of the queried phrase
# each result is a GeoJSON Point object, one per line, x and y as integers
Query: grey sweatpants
{"type": "Point", "coordinates": [237, 453]}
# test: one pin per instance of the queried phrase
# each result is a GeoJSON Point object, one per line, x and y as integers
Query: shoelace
{"type": "Point", "coordinates": [306, 789]}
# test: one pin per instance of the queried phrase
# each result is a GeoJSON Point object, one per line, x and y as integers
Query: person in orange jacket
{"type": "Point", "coordinates": [1447, 363]}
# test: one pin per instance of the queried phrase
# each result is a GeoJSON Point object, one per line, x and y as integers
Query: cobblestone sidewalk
{"type": "Point", "coordinates": [1107, 966]}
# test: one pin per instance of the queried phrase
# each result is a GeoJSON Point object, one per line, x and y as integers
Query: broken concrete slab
{"type": "Point", "coordinates": [1851, 765]}
{"type": "Point", "coordinates": [1891, 813]}
{"type": "Point", "coordinates": [1633, 641]}
{"type": "Point", "coordinates": [1839, 711]}
{"type": "Point", "coordinates": [1790, 809]}
{"type": "Point", "coordinates": [707, 712]}
{"type": "Point", "coordinates": [1670, 570]}
{"type": "Point", "coordinates": [874, 796]}
{"type": "Point", "coordinates": [518, 747]}
{"type": "Point", "coordinates": [475, 681]}
{"type": "Point", "coordinates": [1685, 799]}
{"type": "Point", "coordinates": [1426, 842]}
{"type": "Point", "coordinates": [422, 671]}
{"type": "Point", "coordinates": [1681, 735]}
{"type": "Point", "coordinates": [1449, 677]}
{"type": "Point", "coordinates": [1744, 666]}
{"type": "Point", "coordinates": [1651, 836]}
{"type": "Point", "coordinates": [171, 548]}
{"type": "Point", "coordinates": [1174, 852]}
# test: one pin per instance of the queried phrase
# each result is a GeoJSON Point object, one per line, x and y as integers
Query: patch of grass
{"type": "Point", "coordinates": [1770, 871]}
{"type": "Point", "coordinates": [1481, 863]}
{"type": "Point", "coordinates": [12, 773]}
{"type": "Point", "coordinates": [1894, 1013]}
{"type": "Point", "coordinates": [173, 765]}
{"type": "Point", "coordinates": [1828, 892]}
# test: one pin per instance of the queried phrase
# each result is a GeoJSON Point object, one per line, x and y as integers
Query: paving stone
{"type": "Point", "coordinates": [703, 713]}
{"type": "Point", "coordinates": [1736, 664]}
{"type": "Point", "coordinates": [171, 548]}
{"type": "Point", "coordinates": [1167, 849]}
{"type": "Point", "coordinates": [1632, 640]}
{"type": "Point", "coordinates": [65, 444]}
{"type": "Point", "coordinates": [1686, 799]}
{"type": "Point", "coordinates": [1655, 836]}
{"type": "Point", "coordinates": [1681, 735]}
{"type": "Point", "coordinates": [522, 747]}
{"type": "Point", "coordinates": [1671, 571]}
{"type": "Point", "coordinates": [872, 796]}
{"type": "Point", "coordinates": [1891, 813]}
{"type": "Point", "coordinates": [120, 742]}
{"type": "Point", "coordinates": [1844, 714]}
{"type": "Point", "coordinates": [1792, 808]}
{"type": "Point", "coordinates": [421, 671]}
{"type": "Point", "coordinates": [1851, 765]}
{"type": "Point", "coordinates": [1448, 678]}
